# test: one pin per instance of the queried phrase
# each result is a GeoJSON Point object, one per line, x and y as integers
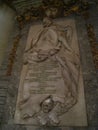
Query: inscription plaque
{"type": "Point", "coordinates": [51, 85]}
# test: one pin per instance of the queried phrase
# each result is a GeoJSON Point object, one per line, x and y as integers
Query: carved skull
{"type": "Point", "coordinates": [47, 105]}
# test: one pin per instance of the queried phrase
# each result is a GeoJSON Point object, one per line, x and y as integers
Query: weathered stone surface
{"type": "Point", "coordinates": [90, 74]}
{"type": "Point", "coordinates": [13, 127]}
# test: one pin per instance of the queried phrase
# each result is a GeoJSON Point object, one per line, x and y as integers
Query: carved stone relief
{"type": "Point", "coordinates": [51, 85]}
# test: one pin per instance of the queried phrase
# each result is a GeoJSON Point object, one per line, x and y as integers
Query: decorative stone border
{"type": "Point", "coordinates": [93, 43]}
{"type": "Point", "coordinates": [12, 55]}
{"type": "Point", "coordinates": [14, 77]}
{"type": "Point", "coordinates": [89, 73]}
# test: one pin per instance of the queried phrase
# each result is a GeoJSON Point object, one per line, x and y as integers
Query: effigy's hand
{"type": "Point", "coordinates": [42, 55]}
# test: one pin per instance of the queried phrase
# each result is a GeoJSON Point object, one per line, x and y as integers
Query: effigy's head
{"type": "Point", "coordinates": [47, 105]}
{"type": "Point", "coordinates": [47, 22]}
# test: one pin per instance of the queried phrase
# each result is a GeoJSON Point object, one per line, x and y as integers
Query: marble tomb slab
{"type": "Point", "coordinates": [51, 89]}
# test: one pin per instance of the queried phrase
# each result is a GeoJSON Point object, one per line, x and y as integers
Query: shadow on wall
{"type": "Point", "coordinates": [6, 24]}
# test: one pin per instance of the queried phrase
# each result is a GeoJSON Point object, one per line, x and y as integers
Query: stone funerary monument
{"type": "Point", "coordinates": [51, 90]}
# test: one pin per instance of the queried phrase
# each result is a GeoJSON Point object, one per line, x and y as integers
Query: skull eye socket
{"type": "Point", "coordinates": [47, 105]}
